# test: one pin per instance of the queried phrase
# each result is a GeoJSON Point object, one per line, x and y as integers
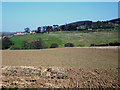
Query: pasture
{"type": "Point", "coordinates": [61, 38]}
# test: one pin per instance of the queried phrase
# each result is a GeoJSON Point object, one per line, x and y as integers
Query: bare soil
{"type": "Point", "coordinates": [60, 68]}
{"type": "Point", "coordinates": [54, 77]}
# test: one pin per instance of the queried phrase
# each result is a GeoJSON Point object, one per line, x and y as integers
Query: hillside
{"type": "Point", "coordinates": [90, 22]}
{"type": "Point", "coordinates": [6, 33]}
{"type": "Point", "coordinates": [82, 23]}
{"type": "Point", "coordinates": [115, 20]}
{"type": "Point", "coordinates": [61, 38]}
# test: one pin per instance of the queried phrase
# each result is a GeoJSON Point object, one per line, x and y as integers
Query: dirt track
{"type": "Point", "coordinates": [61, 68]}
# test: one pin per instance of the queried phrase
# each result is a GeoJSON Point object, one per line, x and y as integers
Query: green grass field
{"type": "Point", "coordinates": [77, 38]}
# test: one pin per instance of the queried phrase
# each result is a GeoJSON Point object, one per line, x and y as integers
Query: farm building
{"type": "Point", "coordinates": [32, 32]}
{"type": "Point", "coordinates": [20, 33]}
{"type": "Point", "coordinates": [4, 36]}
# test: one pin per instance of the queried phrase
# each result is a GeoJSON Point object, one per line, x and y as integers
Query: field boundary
{"type": "Point", "coordinates": [104, 47]}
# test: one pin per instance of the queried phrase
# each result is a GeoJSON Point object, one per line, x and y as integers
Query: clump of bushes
{"type": "Point", "coordinates": [114, 43]}
{"type": "Point", "coordinates": [54, 45]}
{"type": "Point", "coordinates": [92, 44]}
{"type": "Point", "coordinates": [26, 45]}
{"type": "Point", "coordinates": [108, 44]}
{"type": "Point", "coordinates": [99, 44]}
{"type": "Point", "coordinates": [38, 44]}
{"type": "Point", "coordinates": [14, 48]}
{"type": "Point", "coordinates": [6, 43]}
{"type": "Point", "coordinates": [0, 44]}
{"type": "Point", "coordinates": [102, 44]}
{"type": "Point", "coordinates": [69, 45]}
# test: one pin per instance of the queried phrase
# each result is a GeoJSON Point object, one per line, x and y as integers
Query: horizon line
{"type": "Point", "coordinates": [68, 23]}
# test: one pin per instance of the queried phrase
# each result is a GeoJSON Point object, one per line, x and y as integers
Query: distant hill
{"type": "Point", "coordinates": [82, 23]}
{"type": "Point", "coordinates": [90, 22]}
{"type": "Point", "coordinates": [114, 20]}
{"type": "Point", "coordinates": [6, 33]}
{"type": "Point", "coordinates": [110, 24]}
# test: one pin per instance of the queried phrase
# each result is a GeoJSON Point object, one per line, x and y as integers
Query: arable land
{"type": "Point", "coordinates": [73, 67]}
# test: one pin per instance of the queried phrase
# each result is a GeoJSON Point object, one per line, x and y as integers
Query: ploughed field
{"type": "Point", "coordinates": [61, 68]}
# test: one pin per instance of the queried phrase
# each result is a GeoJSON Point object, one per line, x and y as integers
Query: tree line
{"type": "Point", "coordinates": [77, 26]}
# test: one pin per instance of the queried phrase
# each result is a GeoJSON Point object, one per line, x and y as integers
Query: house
{"type": "Point", "coordinates": [82, 27]}
{"type": "Point", "coordinates": [89, 29]}
{"type": "Point", "coordinates": [20, 33]}
{"type": "Point", "coordinates": [32, 32]}
{"type": "Point", "coordinates": [4, 36]}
